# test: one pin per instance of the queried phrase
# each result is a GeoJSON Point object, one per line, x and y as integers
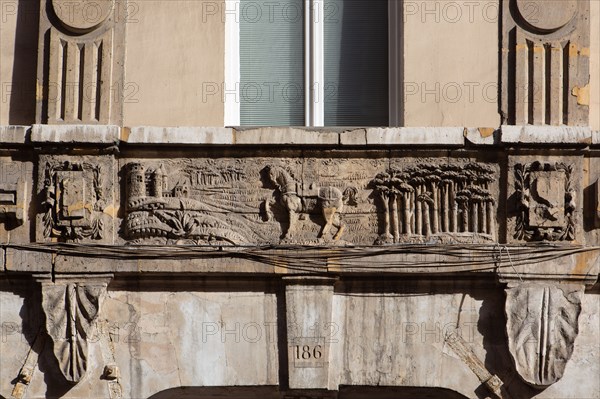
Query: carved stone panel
{"type": "Point", "coordinates": [71, 308]}
{"type": "Point", "coordinates": [545, 62]}
{"type": "Point", "coordinates": [444, 202]}
{"type": "Point", "coordinates": [546, 201]}
{"type": "Point", "coordinates": [542, 324]}
{"type": "Point", "coordinates": [248, 201]}
{"type": "Point", "coordinates": [78, 197]}
{"type": "Point", "coordinates": [81, 59]}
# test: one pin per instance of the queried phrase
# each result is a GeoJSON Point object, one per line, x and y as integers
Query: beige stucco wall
{"type": "Point", "coordinates": [595, 65]}
{"type": "Point", "coordinates": [451, 63]}
{"type": "Point", "coordinates": [18, 32]}
{"type": "Point", "coordinates": [174, 49]}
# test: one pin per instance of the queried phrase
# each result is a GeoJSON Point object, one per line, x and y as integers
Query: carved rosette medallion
{"type": "Point", "coordinates": [542, 324]}
{"type": "Point", "coordinates": [440, 202]}
{"type": "Point", "coordinates": [546, 202]}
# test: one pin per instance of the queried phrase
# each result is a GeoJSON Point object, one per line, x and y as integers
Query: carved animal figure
{"type": "Point", "coordinates": [298, 200]}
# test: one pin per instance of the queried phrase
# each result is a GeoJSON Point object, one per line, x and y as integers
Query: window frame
{"type": "Point", "coordinates": [314, 58]}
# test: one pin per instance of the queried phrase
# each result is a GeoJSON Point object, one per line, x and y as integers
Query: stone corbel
{"type": "Point", "coordinates": [71, 304]}
{"type": "Point", "coordinates": [543, 304]}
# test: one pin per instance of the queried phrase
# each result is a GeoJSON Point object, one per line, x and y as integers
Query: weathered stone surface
{"type": "Point", "coordinates": [546, 134]}
{"type": "Point", "coordinates": [78, 195]}
{"type": "Point", "coordinates": [482, 135]}
{"type": "Point", "coordinates": [71, 307]}
{"type": "Point", "coordinates": [354, 137]}
{"type": "Point", "coordinates": [19, 260]}
{"type": "Point", "coordinates": [80, 63]}
{"type": "Point", "coordinates": [13, 134]}
{"type": "Point", "coordinates": [545, 62]}
{"type": "Point", "coordinates": [416, 136]}
{"type": "Point", "coordinates": [309, 331]}
{"type": "Point", "coordinates": [545, 197]}
{"type": "Point", "coordinates": [92, 134]}
{"type": "Point", "coordinates": [152, 135]}
{"type": "Point", "coordinates": [285, 135]}
{"type": "Point", "coordinates": [542, 324]}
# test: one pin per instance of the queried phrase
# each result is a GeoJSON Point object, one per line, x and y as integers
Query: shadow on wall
{"type": "Point", "coordinates": [267, 392]}
{"type": "Point", "coordinates": [22, 87]}
{"type": "Point", "coordinates": [271, 392]}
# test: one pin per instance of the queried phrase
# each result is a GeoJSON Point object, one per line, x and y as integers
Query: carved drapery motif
{"type": "Point", "coordinates": [447, 201]}
{"type": "Point", "coordinates": [71, 309]}
{"type": "Point", "coordinates": [80, 64]}
{"type": "Point", "coordinates": [545, 62]}
{"type": "Point", "coordinates": [546, 202]}
{"type": "Point", "coordinates": [542, 324]}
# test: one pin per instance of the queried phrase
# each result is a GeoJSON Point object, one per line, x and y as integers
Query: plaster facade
{"type": "Point", "coordinates": [149, 251]}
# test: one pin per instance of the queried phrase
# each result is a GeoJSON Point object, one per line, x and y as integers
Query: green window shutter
{"type": "Point", "coordinates": [356, 62]}
{"type": "Point", "coordinates": [272, 62]}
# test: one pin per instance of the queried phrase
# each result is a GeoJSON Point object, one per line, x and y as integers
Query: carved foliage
{"type": "Point", "coordinates": [542, 324]}
{"type": "Point", "coordinates": [74, 198]}
{"type": "Point", "coordinates": [546, 202]}
{"type": "Point", "coordinates": [71, 310]}
{"type": "Point", "coordinates": [442, 200]}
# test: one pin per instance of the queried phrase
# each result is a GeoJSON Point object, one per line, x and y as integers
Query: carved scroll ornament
{"type": "Point", "coordinates": [71, 309]}
{"type": "Point", "coordinates": [542, 324]}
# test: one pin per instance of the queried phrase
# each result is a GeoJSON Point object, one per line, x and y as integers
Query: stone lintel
{"type": "Point", "coordinates": [13, 134]}
{"type": "Point", "coordinates": [81, 134]}
{"type": "Point", "coordinates": [567, 135]}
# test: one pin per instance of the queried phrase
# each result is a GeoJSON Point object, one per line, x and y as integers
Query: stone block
{"type": "Point", "coordinates": [354, 137]}
{"type": "Point", "coordinates": [285, 135]}
{"type": "Point", "coordinates": [85, 134]}
{"type": "Point", "coordinates": [13, 134]}
{"type": "Point", "coordinates": [440, 136]}
{"type": "Point", "coordinates": [481, 135]}
{"type": "Point", "coordinates": [177, 135]}
{"type": "Point", "coordinates": [21, 260]}
{"type": "Point", "coordinates": [546, 135]}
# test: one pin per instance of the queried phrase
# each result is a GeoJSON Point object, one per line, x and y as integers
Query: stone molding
{"type": "Point", "coordinates": [144, 136]}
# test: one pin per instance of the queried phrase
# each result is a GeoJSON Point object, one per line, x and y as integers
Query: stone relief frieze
{"type": "Point", "coordinates": [77, 199]}
{"type": "Point", "coordinates": [299, 198]}
{"type": "Point", "coordinates": [437, 201]}
{"type": "Point", "coordinates": [546, 202]}
{"type": "Point", "coordinates": [542, 324]}
{"type": "Point", "coordinates": [247, 201]}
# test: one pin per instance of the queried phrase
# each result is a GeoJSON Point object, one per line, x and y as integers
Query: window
{"type": "Point", "coordinates": [308, 62]}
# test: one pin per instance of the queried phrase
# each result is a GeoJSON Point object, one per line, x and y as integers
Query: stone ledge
{"type": "Point", "coordinates": [416, 136]}
{"type": "Point", "coordinates": [482, 135]}
{"type": "Point", "coordinates": [177, 135]}
{"type": "Point", "coordinates": [546, 135]}
{"type": "Point", "coordinates": [596, 137]}
{"type": "Point", "coordinates": [13, 134]}
{"type": "Point", "coordinates": [87, 134]}
{"type": "Point", "coordinates": [285, 135]}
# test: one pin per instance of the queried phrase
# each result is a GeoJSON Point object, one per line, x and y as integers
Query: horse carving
{"type": "Point", "coordinates": [299, 200]}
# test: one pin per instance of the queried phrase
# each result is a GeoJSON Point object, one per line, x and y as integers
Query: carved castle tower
{"type": "Point", "coordinates": [136, 184]}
